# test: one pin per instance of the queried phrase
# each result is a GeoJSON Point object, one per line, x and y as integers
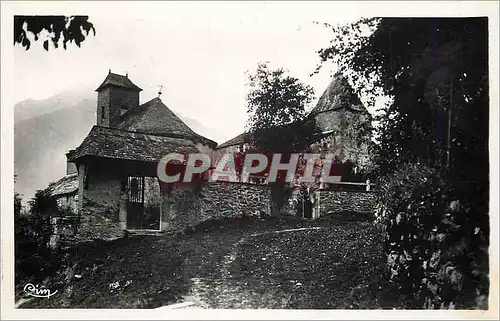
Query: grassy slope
{"type": "Point", "coordinates": [338, 266]}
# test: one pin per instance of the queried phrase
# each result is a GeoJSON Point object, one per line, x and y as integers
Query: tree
{"type": "Point", "coordinates": [57, 28]}
{"type": "Point", "coordinates": [435, 72]}
{"type": "Point", "coordinates": [277, 118]}
{"type": "Point", "coordinates": [276, 106]}
{"type": "Point", "coordinates": [17, 204]}
{"type": "Point", "coordinates": [33, 232]}
{"type": "Point", "coordinates": [43, 207]}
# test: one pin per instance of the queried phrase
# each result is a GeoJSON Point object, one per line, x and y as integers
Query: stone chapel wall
{"type": "Point", "coordinates": [99, 217]}
{"type": "Point", "coordinates": [189, 204]}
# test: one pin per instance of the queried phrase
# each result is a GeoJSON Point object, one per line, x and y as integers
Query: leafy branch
{"type": "Point", "coordinates": [66, 28]}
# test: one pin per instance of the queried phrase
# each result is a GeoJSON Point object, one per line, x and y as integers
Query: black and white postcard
{"type": "Point", "coordinates": [250, 160]}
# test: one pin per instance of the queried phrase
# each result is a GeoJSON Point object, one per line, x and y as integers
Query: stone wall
{"type": "Point", "coordinates": [68, 201]}
{"type": "Point", "coordinates": [98, 222]}
{"type": "Point", "coordinates": [103, 112]}
{"type": "Point", "coordinates": [99, 217]}
{"type": "Point", "coordinates": [180, 207]}
{"type": "Point", "coordinates": [189, 204]}
{"type": "Point", "coordinates": [335, 201]}
{"type": "Point", "coordinates": [235, 199]}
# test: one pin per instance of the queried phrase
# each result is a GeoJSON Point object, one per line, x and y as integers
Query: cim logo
{"type": "Point", "coordinates": [37, 291]}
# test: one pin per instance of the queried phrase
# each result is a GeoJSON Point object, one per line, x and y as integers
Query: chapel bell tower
{"type": "Point", "coordinates": [115, 96]}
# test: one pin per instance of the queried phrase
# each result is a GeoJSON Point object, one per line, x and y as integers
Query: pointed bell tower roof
{"type": "Point", "coordinates": [117, 80]}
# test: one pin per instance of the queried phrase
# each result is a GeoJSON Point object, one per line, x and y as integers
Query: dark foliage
{"type": "Point", "coordinates": [433, 252]}
{"type": "Point", "coordinates": [34, 232]}
{"type": "Point", "coordinates": [68, 29]}
{"type": "Point", "coordinates": [276, 99]}
{"type": "Point", "coordinates": [435, 71]}
{"type": "Point", "coordinates": [431, 68]}
{"type": "Point", "coordinates": [17, 205]}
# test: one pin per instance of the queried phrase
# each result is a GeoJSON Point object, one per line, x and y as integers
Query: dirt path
{"type": "Point", "coordinates": [240, 263]}
{"type": "Point", "coordinates": [223, 292]}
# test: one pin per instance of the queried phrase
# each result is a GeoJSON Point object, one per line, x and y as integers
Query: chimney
{"type": "Point", "coordinates": [70, 167]}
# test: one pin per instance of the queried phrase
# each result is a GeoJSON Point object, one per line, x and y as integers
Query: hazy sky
{"type": "Point", "coordinates": [198, 51]}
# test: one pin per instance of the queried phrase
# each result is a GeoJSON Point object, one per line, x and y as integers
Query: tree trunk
{"type": "Point", "coordinates": [448, 136]}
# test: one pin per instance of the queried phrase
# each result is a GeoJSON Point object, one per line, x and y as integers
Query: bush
{"type": "Point", "coordinates": [435, 248]}
{"type": "Point", "coordinates": [34, 256]}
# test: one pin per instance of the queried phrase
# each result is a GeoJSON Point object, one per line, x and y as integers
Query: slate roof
{"type": "Point", "coordinates": [145, 133]}
{"type": "Point", "coordinates": [121, 144]}
{"type": "Point", "coordinates": [66, 185]}
{"type": "Point", "coordinates": [238, 140]}
{"type": "Point", "coordinates": [119, 81]}
{"type": "Point", "coordinates": [155, 118]}
{"type": "Point", "coordinates": [246, 136]}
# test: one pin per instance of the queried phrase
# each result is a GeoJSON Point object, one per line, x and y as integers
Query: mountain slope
{"type": "Point", "coordinates": [41, 142]}
{"type": "Point", "coordinates": [32, 108]}
{"type": "Point", "coordinates": [45, 130]}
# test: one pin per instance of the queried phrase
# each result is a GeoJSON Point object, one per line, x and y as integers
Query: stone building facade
{"type": "Point", "coordinates": [117, 163]}
{"type": "Point", "coordinates": [114, 171]}
{"type": "Point", "coordinates": [344, 131]}
{"type": "Point", "coordinates": [65, 190]}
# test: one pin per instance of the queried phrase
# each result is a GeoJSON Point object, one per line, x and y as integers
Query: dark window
{"type": "Point", "coordinates": [86, 181]}
{"type": "Point", "coordinates": [103, 113]}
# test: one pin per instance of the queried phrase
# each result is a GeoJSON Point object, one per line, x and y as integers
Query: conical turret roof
{"type": "Point", "coordinates": [338, 106]}
{"type": "Point", "coordinates": [338, 95]}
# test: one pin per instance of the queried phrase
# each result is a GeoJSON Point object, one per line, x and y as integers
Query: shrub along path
{"type": "Point", "coordinates": [238, 263]}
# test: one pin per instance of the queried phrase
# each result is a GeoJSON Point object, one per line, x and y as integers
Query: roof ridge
{"type": "Point", "coordinates": [118, 130]}
{"type": "Point", "coordinates": [71, 174]}
{"type": "Point", "coordinates": [65, 176]}
{"type": "Point", "coordinates": [236, 140]}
